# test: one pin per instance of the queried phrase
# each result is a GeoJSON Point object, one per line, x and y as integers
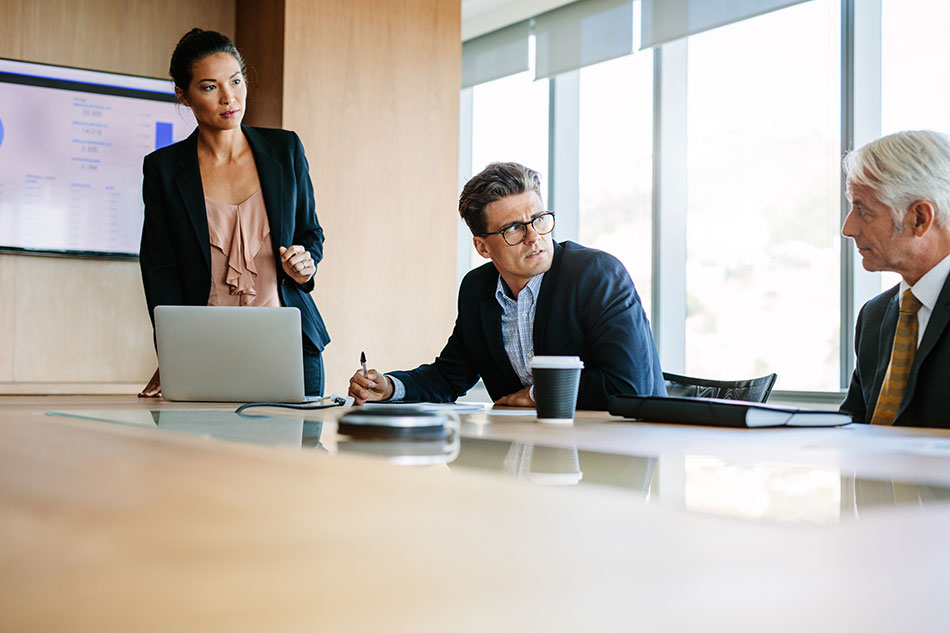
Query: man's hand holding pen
{"type": "Point", "coordinates": [369, 385]}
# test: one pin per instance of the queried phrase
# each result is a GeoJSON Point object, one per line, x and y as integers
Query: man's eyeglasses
{"type": "Point", "coordinates": [516, 233]}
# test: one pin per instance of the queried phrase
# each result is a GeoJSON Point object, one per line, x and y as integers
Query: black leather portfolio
{"type": "Point", "coordinates": [714, 412]}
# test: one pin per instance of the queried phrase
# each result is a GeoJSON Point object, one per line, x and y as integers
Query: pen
{"type": "Point", "coordinates": [363, 364]}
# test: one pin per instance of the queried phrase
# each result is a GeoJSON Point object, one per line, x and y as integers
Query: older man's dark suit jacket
{"type": "Point", "coordinates": [587, 306]}
{"type": "Point", "coordinates": [926, 400]}
{"type": "Point", "coordinates": [176, 248]}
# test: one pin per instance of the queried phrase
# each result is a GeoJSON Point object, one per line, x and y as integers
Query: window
{"type": "Point", "coordinates": [510, 123]}
{"type": "Point", "coordinates": [763, 216]}
{"type": "Point", "coordinates": [615, 179]}
{"type": "Point", "coordinates": [760, 171]}
{"type": "Point", "coordinates": [915, 78]}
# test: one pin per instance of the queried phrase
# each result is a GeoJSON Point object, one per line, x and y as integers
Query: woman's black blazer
{"type": "Point", "coordinates": [176, 248]}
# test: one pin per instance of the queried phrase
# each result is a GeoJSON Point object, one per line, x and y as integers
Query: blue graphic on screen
{"type": "Point", "coordinates": [1, 131]}
{"type": "Point", "coordinates": [163, 134]}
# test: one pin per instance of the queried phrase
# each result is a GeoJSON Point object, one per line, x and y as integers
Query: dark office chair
{"type": "Point", "coordinates": [752, 390]}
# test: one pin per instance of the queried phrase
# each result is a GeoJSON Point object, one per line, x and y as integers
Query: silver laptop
{"type": "Point", "coordinates": [230, 354]}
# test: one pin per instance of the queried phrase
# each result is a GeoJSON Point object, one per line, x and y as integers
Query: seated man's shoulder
{"type": "Point", "coordinates": [479, 279]}
{"type": "Point", "coordinates": [582, 260]}
{"type": "Point", "coordinates": [875, 307]}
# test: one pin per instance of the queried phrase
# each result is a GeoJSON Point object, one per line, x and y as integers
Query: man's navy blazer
{"type": "Point", "coordinates": [176, 248]}
{"type": "Point", "coordinates": [926, 400]}
{"type": "Point", "coordinates": [587, 306]}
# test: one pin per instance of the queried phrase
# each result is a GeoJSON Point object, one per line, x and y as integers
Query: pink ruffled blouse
{"type": "Point", "coordinates": [243, 270]}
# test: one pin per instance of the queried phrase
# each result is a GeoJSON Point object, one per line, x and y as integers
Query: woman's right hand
{"type": "Point", "coordinates": [154, 387]}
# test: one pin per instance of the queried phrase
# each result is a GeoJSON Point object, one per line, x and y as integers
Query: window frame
{"type": "Point", "coordinates": [860, 69]}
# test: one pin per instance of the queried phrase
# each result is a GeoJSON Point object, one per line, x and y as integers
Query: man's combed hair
{"type": "Point", "coordinates": [497, 181]}
{"type": "Point", "coordinates": [903, 168]}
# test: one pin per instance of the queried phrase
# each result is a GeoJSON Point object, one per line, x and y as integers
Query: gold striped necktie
{"type": "Point", "coordinates": [902, 358]}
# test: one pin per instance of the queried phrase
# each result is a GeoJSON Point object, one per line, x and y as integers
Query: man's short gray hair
{"type": "Point", "coordinates": [902, 168]}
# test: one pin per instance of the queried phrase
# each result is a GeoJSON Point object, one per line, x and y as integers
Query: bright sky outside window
{"type": "Point", "coordinates": [616, 163]}
{"type": "Point", "coordinates": [763, 218]}
{"type": "Point", "coordinates": [915, 77]}
{"type": "Point", "coordinates": [510, 123]}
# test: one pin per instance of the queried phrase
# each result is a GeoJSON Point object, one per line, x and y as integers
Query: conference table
{"type": "Point", "coordinates": [126, 514]}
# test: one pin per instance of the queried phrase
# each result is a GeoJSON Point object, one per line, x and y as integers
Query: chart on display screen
{"type": "Point", "coordinates": [71, 148]}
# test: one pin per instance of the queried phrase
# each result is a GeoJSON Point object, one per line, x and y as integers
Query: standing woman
{"type": "Point", "coordinates": [229, 211]}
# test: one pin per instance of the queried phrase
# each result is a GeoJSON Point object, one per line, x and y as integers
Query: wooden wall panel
{"type": "Point", "coordinates": [100, 315]}
{"type": "Point", "coordinates": [127, 36]}
{"type": "Point", "coordinates": [260, 38]}
{"type": "Point", "coordinates": [84, 321]}
{"type": "Point", "coordinates": [11, 28]}
{"type": "Point", "coordinates": [372, 88]}
{"type": "Point", "coordinates": [7, 321]}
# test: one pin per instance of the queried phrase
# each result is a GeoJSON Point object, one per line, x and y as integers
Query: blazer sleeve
{"type": "Point", "coordinates": [622, 356]}
{"type": "Point", "coordinates": [454, 371]}
{"type": "Point", "coordinates": [854, 403]}
{"type": "Point", "coordinates": [307, 230]}
{"type": "Point", "coordinates": [161, 277]}
{"type": "Point", "coordinates": [445, 380]}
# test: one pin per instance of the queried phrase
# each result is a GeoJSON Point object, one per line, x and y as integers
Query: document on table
{"type": "Point", "coordinates": [458, 407]}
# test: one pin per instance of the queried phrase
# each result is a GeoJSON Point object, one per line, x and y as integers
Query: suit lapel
{"type": "Point", "coordinates": [885, 345]}
{"type": "Point", "coordinates": [935, 327]}
{"type": "Point", "coordinates": [546, 298]}
{"type": "Point", "coordinates": [491, 324]}
{"type": "Point", "coordinates": [189, 186]}
{"type": "Point", "coordinates": [270, 172]}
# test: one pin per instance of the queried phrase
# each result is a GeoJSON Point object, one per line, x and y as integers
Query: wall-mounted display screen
{"type": "Point", "coordinates": [71, 148]}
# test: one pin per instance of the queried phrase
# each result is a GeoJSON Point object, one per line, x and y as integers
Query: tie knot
{"type": "Point", "coordinates": [909, 303]}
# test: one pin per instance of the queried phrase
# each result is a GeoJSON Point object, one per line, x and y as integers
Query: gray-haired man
{"type": "Point", "coordinates": [899, 187]}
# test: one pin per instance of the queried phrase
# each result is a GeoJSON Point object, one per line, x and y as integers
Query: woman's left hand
{"type": "Point", "coordinates": [297, 263]}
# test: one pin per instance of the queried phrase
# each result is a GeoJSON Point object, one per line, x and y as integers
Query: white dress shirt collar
{"type": "Point", "coordinates": [927, 289]}
{"type": "Point", "coordinates": [502, 292]}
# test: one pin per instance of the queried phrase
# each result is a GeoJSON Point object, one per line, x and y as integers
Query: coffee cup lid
{"type": "Point", "coordinates": [557, 362]}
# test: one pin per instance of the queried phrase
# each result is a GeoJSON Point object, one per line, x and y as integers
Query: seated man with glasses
{"type": "Point", "coordinates": [535, 297]}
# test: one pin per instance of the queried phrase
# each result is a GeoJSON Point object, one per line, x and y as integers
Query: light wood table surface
{"type": "Point", "coordinates": [109, 527]}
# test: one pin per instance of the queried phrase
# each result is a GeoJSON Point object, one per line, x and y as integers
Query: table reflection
{"type": "Point", "coordinates": [545, 465]}
{"type": "Point", "coordinates": [789, 493]}
{"type": "Point", "coordinates": [222, 425]}
{"type": "Point", "coordinates": [405, 452]}
{"type": "Point", "coordinates": [866, 495]}
{"type": "Point", "coordinates": [558, 465]}
{"type": "Point", "coordinates": [225, 425]}
{"type": "Point", "coordinates": [793, 493]}
{"type": "Point", "coordinates": [714, 483]}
